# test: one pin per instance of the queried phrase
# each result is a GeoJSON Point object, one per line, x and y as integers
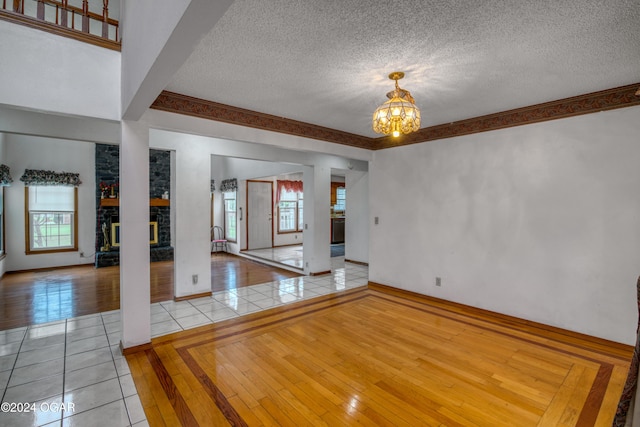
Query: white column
{"type": "Point", "coordinates": [192, 254]}
{"type": "Point", "coordinates": [135, 299]}
{"type": "Point", "coordinates": [317, 219]}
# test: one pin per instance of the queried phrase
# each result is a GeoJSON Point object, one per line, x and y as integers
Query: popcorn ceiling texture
{"type": "Point", "coordinates": [326, 62]}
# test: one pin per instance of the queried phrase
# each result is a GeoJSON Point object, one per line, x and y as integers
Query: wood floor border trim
{"type": "Point", "coordinates": [623, 351]}
{"type": "Point", "coordinates": [212, 390]}
{"type": "Point", "coordinates": [598, 388]}
{"type": "Point", "coordinates": [278, 312]}
{"type": "Point", "coordinates": [588, 413]}
{"type": "Point", "coordinates": [592, 405]}
{"type": "Point", "coordinates": [178, 403]}
{"type": "Point", "coordinates": [205, 381]}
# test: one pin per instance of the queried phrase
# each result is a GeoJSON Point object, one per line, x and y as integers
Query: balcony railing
{"type": "Point", "coordinates": [66, 17]}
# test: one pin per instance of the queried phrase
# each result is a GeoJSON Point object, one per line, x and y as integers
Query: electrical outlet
{"type": "Point", "coordinates": [376, 221]}
{"type": "Point", "coordinates": [194, 279]}
{"type": "Point", "coordinates": [81, 254]}
{"type": "Point", "coordinates": [438, 281]}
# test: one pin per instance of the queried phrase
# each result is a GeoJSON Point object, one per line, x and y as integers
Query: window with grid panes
{"type": "Point", "coordinates": [290, 209]}
{"type": "Point", "coordinates": [52, 219]}
{"type": "Point", "coordinates": [230, 216]}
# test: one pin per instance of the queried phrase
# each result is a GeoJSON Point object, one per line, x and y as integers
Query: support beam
{"type": "Point", "coordinates": [135, 300]}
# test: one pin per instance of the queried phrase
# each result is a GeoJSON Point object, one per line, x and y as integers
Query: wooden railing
{"type": "Point", "coordinates": [62, 14]}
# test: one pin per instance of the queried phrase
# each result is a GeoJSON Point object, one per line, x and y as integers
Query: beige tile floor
{"type": "Point", "coordinates": [71, 372]}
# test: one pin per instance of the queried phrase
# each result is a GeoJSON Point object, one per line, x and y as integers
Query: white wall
{"type": "Point", "coordinates": [357, 217]}
{"type": "Point", "coordinates": [58, 74]}
{"type": "Point", "coordinates": [539, 221]}
{"type": "Point", "coordinates": [26, 152]}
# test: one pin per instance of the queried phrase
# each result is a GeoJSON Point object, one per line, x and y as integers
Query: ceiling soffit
{"type": "Point", "coordinates": [620, 97]}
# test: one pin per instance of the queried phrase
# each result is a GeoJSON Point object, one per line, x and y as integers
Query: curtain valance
{"type": "Point", "coordinates": [287, 187]}
{"type": "Point", "coordinates": [5, 176]}
{"type": "Point", "coordinates": [229, 185]}
{"type": "Point", "coordinates": [42, 177]}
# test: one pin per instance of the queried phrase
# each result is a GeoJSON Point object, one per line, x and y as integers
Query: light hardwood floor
{"type": "Point", "coordinates": [47, 295]}
{"type": "Point", "coordinates": [379, 356]}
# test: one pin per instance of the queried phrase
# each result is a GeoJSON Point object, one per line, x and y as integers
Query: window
{"type": "Point", "coordinates": [230, 223]}
{"type": "Point", "coordinates": [341, 199]}
{"type": "Point", "coordinates": [52, 219]}
{"type": "Point", "coordinates": [290, 208]}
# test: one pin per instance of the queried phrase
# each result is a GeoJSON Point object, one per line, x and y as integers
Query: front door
{"type": "Point", "coordinates": [259, 214]}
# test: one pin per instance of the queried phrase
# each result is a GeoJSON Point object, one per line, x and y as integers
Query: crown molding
{"type": "Point", "coordinates": [620, 97]}
{"type": "Point", "coordinates": [183, 104]}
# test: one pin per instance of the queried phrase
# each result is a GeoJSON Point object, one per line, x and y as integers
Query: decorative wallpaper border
{"type": "Point", "coordinates": [183, 104]}
{"type": "Point", "coordinates": [620, 97]}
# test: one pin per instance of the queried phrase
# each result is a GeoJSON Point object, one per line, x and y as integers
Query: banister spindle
{"type": "Point", "coordinates": [40, 10]}
{"type": "Point", "coordinates": [105, 18]}
{"type": "Point", "coordinates": [64, 14]}
{"type": "Point", "coordinates": [85, 16]}
{"type": "Point", "coordinates": [18, 6]}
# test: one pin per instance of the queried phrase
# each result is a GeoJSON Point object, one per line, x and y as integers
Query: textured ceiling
{"type": "Point", "coordinates": [326, 62]}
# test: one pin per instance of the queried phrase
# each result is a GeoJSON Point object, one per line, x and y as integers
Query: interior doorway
{"type": "Point", "coordinates": [259, 214]}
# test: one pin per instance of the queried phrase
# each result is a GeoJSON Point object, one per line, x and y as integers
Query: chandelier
{"type": "Point", "coordinates": [399, 114]}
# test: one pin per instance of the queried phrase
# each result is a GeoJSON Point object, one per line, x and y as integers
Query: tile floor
{"type": "Point", "coordinates": [288, 255]}
{"type": "Point", "coordinates": [71, 372]}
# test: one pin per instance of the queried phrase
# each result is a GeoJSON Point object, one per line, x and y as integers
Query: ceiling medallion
{"type": "Point", "coordinates": [399, 114]}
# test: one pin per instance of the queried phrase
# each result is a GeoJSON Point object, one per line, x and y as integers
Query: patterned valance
{"type": "Point", "coordinates": [42, 177]}
{"type": "Point", "coordinates": [287, 187]}
{"type": "Point", "coordinates": [213, 185]}
{"type": "Point", "coordinates": [5, 176]}
{"type": "Point", "coordinates": [229, 185]}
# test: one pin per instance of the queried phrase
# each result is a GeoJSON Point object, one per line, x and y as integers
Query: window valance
{"type": "Point", "coordinates": [229, 185]}
{"type": "Point", "coordinates": [42, 177]}
{"type": "Point", "coordinates": [287, 187]}
{"type": "Point", "coordinates": [213, 185]}
{"type": "Point", "coordinates": [5, 176]}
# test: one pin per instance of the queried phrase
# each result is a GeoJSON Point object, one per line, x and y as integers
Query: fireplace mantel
{"type": "Point", "coordinates": [152, 202]}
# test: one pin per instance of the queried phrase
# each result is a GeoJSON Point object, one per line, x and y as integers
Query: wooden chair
{"type": "Point", "coordinates": [217, 239]}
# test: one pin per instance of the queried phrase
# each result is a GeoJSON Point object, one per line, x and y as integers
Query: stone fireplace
{"type": "Point", "coordinates": [108, 209]}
